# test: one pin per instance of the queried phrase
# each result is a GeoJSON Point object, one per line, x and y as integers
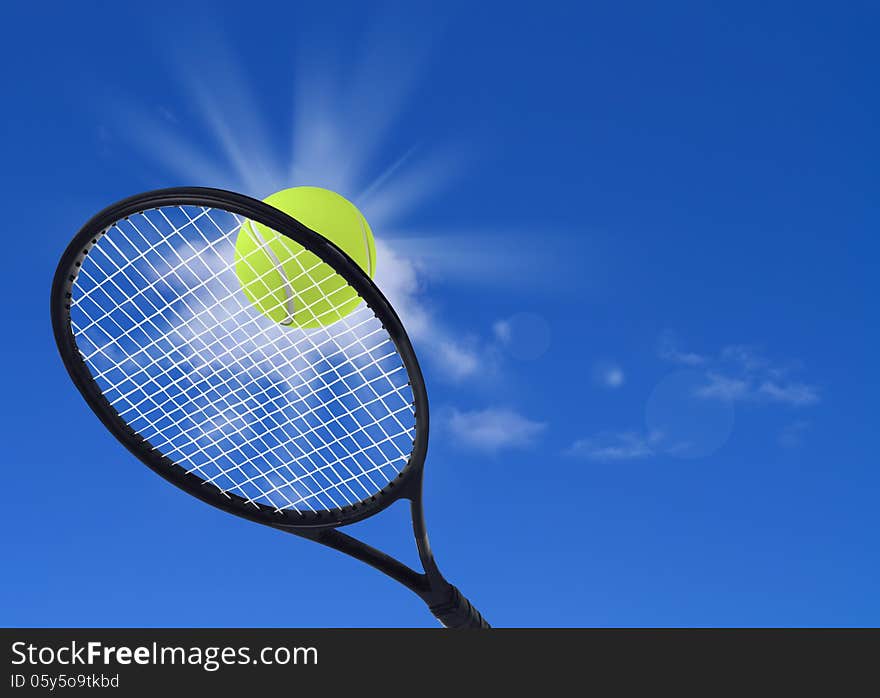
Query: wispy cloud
{"type": "Point", "coordinates": [401, 281]}
{"type": "Point", "coordinates": [525, 336]}
{"type": "Point", "coordinates": [670, 349]}
{"type": "Point", "coordinates": [794, 394]}
{"type": "Point", "coordinates": [457, 360]}
{"type": "Point", "coordinates": [492, 429]}
{"type": "Point", "coordinates": [757, 389]}
{"type": "Point", "coordinates": [741, 373]}
{"type": "Point", "coordinates": [724, 388]}
{"type": "Point", "coordinates": [738, 374]}
{"type": "Point", "coordinates": [745, 356]}
{"type": "Point", "coordinates": [620, 446]}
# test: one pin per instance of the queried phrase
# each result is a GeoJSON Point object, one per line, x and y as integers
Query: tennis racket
{"type": "Point", "coordinates": [303, 430]}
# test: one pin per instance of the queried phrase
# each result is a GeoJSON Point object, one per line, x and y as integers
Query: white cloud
{"type": "Point", "coordinates": [732, 389]}
{"type": "Point", "coordinates": [627, 445]}
{"type": "Point", "coordinates": [745, 356]}
{"type": "Point", "coordinates": [740, 373]}
{"type": "Point", "coordinates": [457, 360]}
{"type": "Point", "coordinates": [400, 279]}
{"type": "Point", "coordinates": [493, 429]}
{"type": "Point", "coordinates": [724, 388]}
{"type": "Point", "coordinates": [669, 350]}
{"type": "Point", "coordinates": [524, 335]}
{"type": "Point", "coordinates": [794, 394]}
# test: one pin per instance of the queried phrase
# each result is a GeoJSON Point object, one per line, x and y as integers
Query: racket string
{"type": "Point", "coordinates": [364, 383]}
{"type": "Point", "coordinates": [222, 390]}
{"type": "Point", "coordinates": [239, 446]}
{"type": "Point", "coordinates": [164, 390]}
{"type": "Point", "coordinates": [198, 256]}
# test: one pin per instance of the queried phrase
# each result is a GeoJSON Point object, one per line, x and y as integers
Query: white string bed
{"type": "Point", "coordinates": [302, 420]}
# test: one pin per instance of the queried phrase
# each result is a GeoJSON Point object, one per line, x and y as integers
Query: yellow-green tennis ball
{"type": "Point", "coordinates": [291, 285]}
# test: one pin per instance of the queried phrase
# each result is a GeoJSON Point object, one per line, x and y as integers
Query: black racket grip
{"type": "Point", "coordinates": [458, 612]}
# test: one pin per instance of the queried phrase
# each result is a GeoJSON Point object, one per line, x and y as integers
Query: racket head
{"type": "Point", "coordinates": [352, 502]}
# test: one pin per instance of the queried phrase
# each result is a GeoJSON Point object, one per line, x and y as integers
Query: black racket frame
{"type": "Point", "coordinates": [444, 599]}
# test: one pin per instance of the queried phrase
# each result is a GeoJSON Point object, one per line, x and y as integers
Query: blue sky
{"type": "Point", "coordinates": [635, 247]}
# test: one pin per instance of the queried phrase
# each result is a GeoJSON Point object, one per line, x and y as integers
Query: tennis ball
{"type": "Point", "coordinates": [291, 285]}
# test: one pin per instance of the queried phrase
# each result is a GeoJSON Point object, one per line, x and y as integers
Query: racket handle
{"type": "Point", "coordinates": [458, 612]}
